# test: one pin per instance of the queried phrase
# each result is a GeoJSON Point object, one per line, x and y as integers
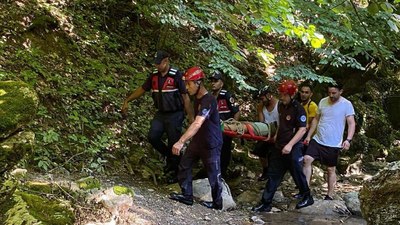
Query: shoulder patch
{"type": "Point", "coordinates": [303, 118]}
{"type": "Point", "coordinates": [172, 71]}
{"type": "Point", "coordinates": [231, 100]}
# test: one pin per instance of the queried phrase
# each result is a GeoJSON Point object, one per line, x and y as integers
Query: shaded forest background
{"type": "Point", "coordinates": [84, 57]}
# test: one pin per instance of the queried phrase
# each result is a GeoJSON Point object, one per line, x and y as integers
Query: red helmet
{"type": "Point", "coordinates": [194, 73]}
{"type": "Point", "coordinates": [288, 87]}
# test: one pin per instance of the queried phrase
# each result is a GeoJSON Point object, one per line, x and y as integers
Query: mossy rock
{"type": "Point", "coordinates": [18, 104]}
{"type": "Point", "coordinates": [88, 183]}
{"type": "Point", "coordinates": [380, 196]}
{"type": "Point", "coordinates": [40, 187]}
{"type": "Point", "coordinates": [13, 149]}
{"type": "Point", "coordinates": [120, 190]}
{"type": "Point", "coordinates": [27, 208]}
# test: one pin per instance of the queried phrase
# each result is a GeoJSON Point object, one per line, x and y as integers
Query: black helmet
{"type": "Point", "coordinates": [264, 90]}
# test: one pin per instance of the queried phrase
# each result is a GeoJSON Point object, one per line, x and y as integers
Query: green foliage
{"type": "Point", "coordinates": [358, 34]}
{"type": "Point", "coordinates": [301, 72]}
{"type": "Point", "coordinates": [84, 57]}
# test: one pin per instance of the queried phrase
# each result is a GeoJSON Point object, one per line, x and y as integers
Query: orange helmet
{"type": "Point", "coordinates": [288, 87]}
{"type": "Point", "coordinates": [194, 73]}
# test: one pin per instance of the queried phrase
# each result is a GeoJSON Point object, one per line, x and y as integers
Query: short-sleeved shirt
{"type": "Point", "coordinates": [166, 90]}
{"type": "Point", "coordinates": [210, 133]}
{"type": "Point", "coordinates": [311, 109]}
{"type": "Point", "coordinates": [227, 106]}
{"type": "Point", "coordinates": [332, 121]}
{"type": "Point", "coordinates": [291, 118]}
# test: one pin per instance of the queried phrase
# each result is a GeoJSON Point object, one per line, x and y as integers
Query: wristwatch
{"type": "Point", "coordinates": [348, 140]}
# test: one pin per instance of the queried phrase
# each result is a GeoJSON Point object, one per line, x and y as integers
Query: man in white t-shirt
{"type": "Point", "coordinates": [267, 112]}
{"type": "Point", "coordinates": [333, 113]}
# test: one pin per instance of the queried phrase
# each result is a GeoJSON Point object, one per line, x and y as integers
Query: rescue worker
{"type": "Point", "coordinates": [170, 99]}
{"type": "Point", "coordinates": [227, 108]}
{"type": "Point", "coordinates": [206, 142]}
{"type": "Point", "coordinates": [267, 112]}
{"type": "Point", "coordinates": [287, 153]}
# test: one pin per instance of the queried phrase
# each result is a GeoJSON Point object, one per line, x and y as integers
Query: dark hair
{"type": "Point", "coordinates": [308, 84]}
{"type": "Point", "coordinates": [337, 85]}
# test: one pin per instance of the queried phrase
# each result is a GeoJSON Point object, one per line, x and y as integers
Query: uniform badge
{"type": "Point", "coordinates": [303, 118]}
{"type": "Point", "coordinates": [232, 100]}
{"type": "Point", "coordinates": [205, 112]}
{"type": "Point", "coordinates": [288, 117]}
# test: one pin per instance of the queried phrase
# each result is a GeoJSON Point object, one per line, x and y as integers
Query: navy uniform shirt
{"type": "Point", "coordinates": [291, 118]}
{"type": "Point", "coordinates": [227, 107]}
{"type": "Point", "coordinates": [166, 90]}
{"type": "Point", "coordinates": [209, 134]}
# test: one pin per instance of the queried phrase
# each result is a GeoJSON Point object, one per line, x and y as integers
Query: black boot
{"type": "Point", "coordinates": [211, 205]}
{"type": "Point", "coordinates": [306, 201]}
{"type": "Point", "coordinates": [263, 207]}
{"type": "Point", "coordinates": [298, 196]}
{"type": "Point", "coordinates": [264, 175]}
{"type": "Point", "coordinates": [181, 198]}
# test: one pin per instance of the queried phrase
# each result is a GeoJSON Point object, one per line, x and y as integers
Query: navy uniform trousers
{"type": "Point", "coordinates": [171, 124]}
{"type": "Point", "coordinates": [211, 161]}
{"type": "Point", "coordinates": [278, 165]}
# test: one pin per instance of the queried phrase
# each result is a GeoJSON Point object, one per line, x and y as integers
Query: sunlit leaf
{"type": "Point", "coordinates": [393, 26]}
{"type": "Point", "coordinates": [316, 43]}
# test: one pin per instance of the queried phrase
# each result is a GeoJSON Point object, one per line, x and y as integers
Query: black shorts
{"type": "Point", "coordinates": [326, 155]}
{"type": "Point", "coordinates": [263, 148]}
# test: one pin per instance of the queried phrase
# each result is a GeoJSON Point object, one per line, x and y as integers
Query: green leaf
{"type": "Point", "coordinates": [232, 41]}
{"type": "Point", "coordinates": [387, 7]}
{"type": "Point", "coordinates": [373, 8]}
{"type": "Point", "coordinates": [290, 17]}
{"type": "Point", "coordinates": [393, 26]}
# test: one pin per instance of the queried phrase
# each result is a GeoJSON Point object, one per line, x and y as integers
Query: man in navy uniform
{"type": "Point", "coordinates": [170, 99]}
{"type": "Point", "coordinates": [227, 108]}
{"type": "Point", "coordinates": [206, 142]}
{"type": "Point", "coordinates": [287, 154]}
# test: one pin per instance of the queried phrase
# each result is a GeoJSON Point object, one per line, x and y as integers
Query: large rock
{"type": "Point", "coordinates": [380, 196]}
{"type": "Point", "coordinates": [353, 203]}
{"type": "Point", "coordinates": [13, 149]}
{"type": "Point", "coordinates": [202, 191]}
{"type": "Point", "coordinates": [18, 104]}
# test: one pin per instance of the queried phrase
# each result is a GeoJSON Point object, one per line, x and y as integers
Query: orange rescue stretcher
{"type": "Point", "coordinates": [256, 131]}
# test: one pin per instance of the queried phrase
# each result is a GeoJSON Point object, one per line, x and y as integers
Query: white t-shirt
{"type": "Point", "coordinates": [272, 116]}
{"type": "Point", "coordinates": [332, 121]}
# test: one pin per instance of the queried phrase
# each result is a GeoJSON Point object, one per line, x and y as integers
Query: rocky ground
{"type": "Point", "coordinates": [151, 205]}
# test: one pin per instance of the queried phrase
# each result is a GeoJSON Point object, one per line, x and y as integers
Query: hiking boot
{"type": "Point", "coordinates": [263, 207]}
{"type": "Point", "coordinates": [306, 201]}
{"type": "Point", "coordinates": [181, 198]}
{"type": "Point", "coordinates": [298, 196]}
{"type": "Point", "coordinates": [327, 197]}
{"type": "Point", "coordinates": [211, 205]}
